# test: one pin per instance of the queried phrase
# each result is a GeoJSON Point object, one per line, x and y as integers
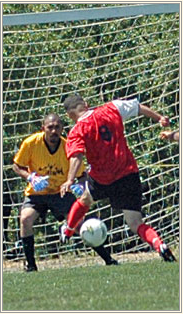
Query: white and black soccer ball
{"type": "Point", "coordinates": [93, 232]}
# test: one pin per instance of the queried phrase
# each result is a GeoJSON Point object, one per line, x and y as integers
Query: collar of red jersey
{"type": "Point", "coordinates": [86, 115]}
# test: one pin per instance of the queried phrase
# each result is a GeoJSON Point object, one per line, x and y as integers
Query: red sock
{"type": "Point", "coordinates": [149, 235]}
{"type": "Point", "coordinates": [76, 213]}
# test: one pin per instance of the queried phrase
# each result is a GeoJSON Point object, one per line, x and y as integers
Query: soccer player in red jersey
{"type": "Point", "coordinates": [114, 174]}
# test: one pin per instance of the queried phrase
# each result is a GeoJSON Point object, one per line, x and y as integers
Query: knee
{"type": "Point", "coordinates": [134, 225]}
{"type": "Point", "coordinates": [26, 220]}
{"type": "Point", "coordinates": [86, 199]}
{"type": "Point", "coordinates": [133, 219]}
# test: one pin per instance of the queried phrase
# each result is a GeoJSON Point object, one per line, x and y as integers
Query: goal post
{"type": "Point", "coordinates": [122, 51]}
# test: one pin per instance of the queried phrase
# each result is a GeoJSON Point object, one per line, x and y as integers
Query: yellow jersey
{"type": "Point", "coordinates": [35, 155]}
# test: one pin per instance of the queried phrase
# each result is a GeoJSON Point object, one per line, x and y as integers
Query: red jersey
{"type": "Point", "coordinates": [99, 134]}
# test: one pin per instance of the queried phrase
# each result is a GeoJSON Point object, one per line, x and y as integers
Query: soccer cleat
{"type": "Point", "coordinates": [30, 268]}
{"type": "Point", "coordinates": [112, 262]}
{"type": "Point", "coordinates": [166, 253]}
{"type": "Point", "coordinates": [63, 238]}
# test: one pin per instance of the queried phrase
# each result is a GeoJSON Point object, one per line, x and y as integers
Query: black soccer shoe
{"type": "Point", "coordinates": [112, 261]}
{"type": "Point", "coordinates": [30, 268]}
{"type": "Point", "coordinates": [166, 253]}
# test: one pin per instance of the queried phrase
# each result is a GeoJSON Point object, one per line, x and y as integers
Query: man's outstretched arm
{"type": "Point", "coordinates": [149, 113]}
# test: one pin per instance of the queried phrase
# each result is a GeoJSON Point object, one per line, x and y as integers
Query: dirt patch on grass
{"type": "Point", "coordinates": [70, 261]}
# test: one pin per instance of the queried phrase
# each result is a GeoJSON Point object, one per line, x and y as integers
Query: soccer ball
{"type": "Point", "coordinates": [93, 232]}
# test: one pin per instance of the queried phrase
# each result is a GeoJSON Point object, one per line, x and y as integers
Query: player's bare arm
{"type": "Point", "coordinates": [21, 171]}
{"type": "Point", "coordinates": [75, 163]}
{"type": "Point", "coordinates": [147, 112]}
{"type": "Point", "coordinates": [170, 135]}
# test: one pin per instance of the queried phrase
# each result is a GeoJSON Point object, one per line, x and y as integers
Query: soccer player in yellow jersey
{"type": "Point", "coordinates": [42, 161]}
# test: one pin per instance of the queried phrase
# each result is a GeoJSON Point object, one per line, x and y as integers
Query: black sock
{"type": "Point", "coordinates": [104, 254]}
{"type": "Point", "coordinates": [28, 246]}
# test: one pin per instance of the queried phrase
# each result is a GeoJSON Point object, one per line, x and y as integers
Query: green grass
{"type": "Point", "coordinates": [150, 286]}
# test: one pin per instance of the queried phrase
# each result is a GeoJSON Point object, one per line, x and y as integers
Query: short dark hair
{"type": "Point", "coordinates": [53, 116]}
{"type": "Point", "coordinates": [73, 101]}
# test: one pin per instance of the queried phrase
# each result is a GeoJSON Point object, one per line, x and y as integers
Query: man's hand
{"type": "Point", "coordinates": [65, 187]}
{"type": "Point", "coordinates": [164, 121]}
{"type": "Point", "coordinates": [38, 183]}
{"type": "Point", "coordinates": [170, 135]}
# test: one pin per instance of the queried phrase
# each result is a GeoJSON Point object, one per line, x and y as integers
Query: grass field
{"type": "Point", "coordinates": [146, 286]}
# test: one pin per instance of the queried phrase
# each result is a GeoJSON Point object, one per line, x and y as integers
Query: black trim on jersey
{"type": "Point", "coordinates": [55, 150]}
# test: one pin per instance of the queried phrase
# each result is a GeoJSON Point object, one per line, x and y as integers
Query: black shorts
{"type": "Point", "coordinates": [57, 205]}
{"type": "Point", "coordinates": [125, 193]}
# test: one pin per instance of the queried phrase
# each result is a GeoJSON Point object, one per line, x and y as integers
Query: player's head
{"type": "Point", "coordinates": [75, 106]}
{"type": "Point", "coordinates": [52, 126]}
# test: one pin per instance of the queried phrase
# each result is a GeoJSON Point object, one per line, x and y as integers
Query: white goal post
{"type": "Point", "coordinates": [104, 53]}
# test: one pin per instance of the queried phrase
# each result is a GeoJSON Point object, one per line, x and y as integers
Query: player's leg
{"type": "Point", "coordinates": [147, 234]}
{"type": "Point", "coordinates": [27, 217]}
{"type": "Point", "coordinates": [78, 211]}
{"type": "Point", "coordinates": [131, 199]}
{"type": "Point", "coordinates": [105, 255]}
{"type": "Point", "coordinates": [60, 207]}
{"type": "Point", "coordinates": [93, 191]}
{"type": "Point", "coordinates": [30, 211]}
{"type": "Point", "coordinates": [103, 252]}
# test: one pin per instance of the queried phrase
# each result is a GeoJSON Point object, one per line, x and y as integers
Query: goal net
{"type": "Point", "coordinates": [117, 52]}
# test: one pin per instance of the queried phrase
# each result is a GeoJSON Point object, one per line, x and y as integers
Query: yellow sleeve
{"type": "Point", "coordinates": [22, 157]}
